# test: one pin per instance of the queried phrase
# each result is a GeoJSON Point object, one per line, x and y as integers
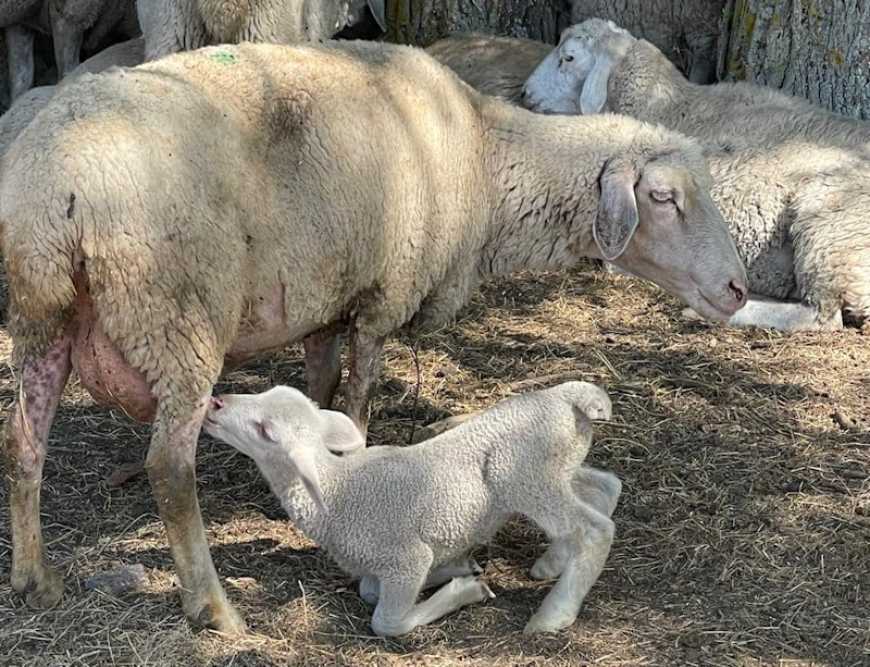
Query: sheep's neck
{"type": "Point", "coordinates": [646, 86]}
{"type": "Point", "coordinates": [543, 208]}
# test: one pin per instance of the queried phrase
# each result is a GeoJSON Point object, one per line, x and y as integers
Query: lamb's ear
{"type": "Point", "coordinates": [378, 10]}
{"type": "Point", "coordinates": [339, 433]}
{"type": "Point", "coordinates": [617, 216]}
{"type": "Point", "coordinates": [302, 457]}
{"type": "Point", "coordinates": [594, 93]}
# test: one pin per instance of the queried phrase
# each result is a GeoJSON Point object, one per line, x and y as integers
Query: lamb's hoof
{"type": "Point", "coordinates": [221, 617]}
{"type": "Point", "coordinates": [475, 567]}
{"type": "Point", "coordinates": [471, 590]}
{"type": "Point", "coordinates": [548, 622]}
{"type": "Point", "coordinates": [40, 591]}
{"type": "Point", "coordinates": [691, 315]}
{"type": "Point", "coordinates": [543, 569]}
{"type": "Point", "coordinates": [369, 590]}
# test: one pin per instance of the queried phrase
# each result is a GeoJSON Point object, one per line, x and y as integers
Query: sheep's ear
{"type": "Point", "coordinates": [339, 433]}
{"type": "Point", "coordinates": [378, 10]}
{"type": "Point", "coordinates": [302, 457]}
{"type": "Point", "coordinates": [617, 216]}
{"type": "Point", "coordinates": [594, 93]}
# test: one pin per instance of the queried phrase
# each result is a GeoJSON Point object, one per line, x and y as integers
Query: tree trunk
{"type": "Point", "coordinates": [686, 31]}
{"type": "Point", "coordinates": [422, 22]}
{"type": "Point", "coordinates": [817, 49]}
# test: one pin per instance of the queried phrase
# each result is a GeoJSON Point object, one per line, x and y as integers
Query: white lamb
{"type": "Point", "coordinates": [404, 518]}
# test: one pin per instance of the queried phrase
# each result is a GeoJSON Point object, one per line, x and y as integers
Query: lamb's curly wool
{"type": "Point", "coordinates": [218, 203]}
{"type": "Point", "coordinates": [397, 516]}
{"type": "Point", "coordinates": [792, 179]}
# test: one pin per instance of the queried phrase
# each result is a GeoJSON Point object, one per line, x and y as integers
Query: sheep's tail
{"type": "Point", "coordinates": [42, 251]}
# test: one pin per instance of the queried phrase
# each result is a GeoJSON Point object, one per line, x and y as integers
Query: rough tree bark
{"type": "Point", "coordinates": [422, 22]}
{"type": "Point", "coordinates": [685, 30]}
{"type": "Point", "coordinates": [817, 49]}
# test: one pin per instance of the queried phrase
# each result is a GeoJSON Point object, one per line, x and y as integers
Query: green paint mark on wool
{"type": "Point", "coordinates": [224, 57]}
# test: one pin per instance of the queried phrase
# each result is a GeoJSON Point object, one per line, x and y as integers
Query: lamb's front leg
{"type": "Point", "coordinates": [365, 366]}
{"type": "Point", "coordinates": [397, 612]}
{"type": "Point", "coordinates": [171, 466]}
{"type": "Point", "coordinates": [780, 315]}
{"type": "Point", "coordinates": [27, 424]}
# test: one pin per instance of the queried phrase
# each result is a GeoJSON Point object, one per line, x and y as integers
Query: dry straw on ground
{"type": "Point", "coordinates": [743, 534]}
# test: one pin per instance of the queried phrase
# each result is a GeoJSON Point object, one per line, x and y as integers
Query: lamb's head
{"type": "Point", "coordinates": [573, 78]}
{"type": "Point", "coordinates": [657, 220]}
{"type": "Point", "coordinates": [282, 429]}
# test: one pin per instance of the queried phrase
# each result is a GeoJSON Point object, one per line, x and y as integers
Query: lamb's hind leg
{"type": "Point", "coordinates": [370, 588]}
{"type": "Point", "coordinates": [599, 489]}
{"type": "Point", "coordinates": [27, 424]}
{"type": "Point", "coordinates": [171, 466]}
{"type": "Point", "coordinates": [588, 534]}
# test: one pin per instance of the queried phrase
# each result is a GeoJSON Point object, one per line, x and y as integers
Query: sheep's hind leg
{"type": "Point", "coordinates": [171, 466]}
{"type": "Point", "coordinates": [365, 366]}
{"type": "Point", "coordinates": [780, 315]}
{"type": "Point", "coordinates": [599, 489]}
{"type": "Point", "coordinates": [322, 365]}
{"type": "Point", "coordinates": [19, 46]}
{"type": "Point", "coordinates": [27, 425]}
{"type": "Point", "coordinates": [588, 534]}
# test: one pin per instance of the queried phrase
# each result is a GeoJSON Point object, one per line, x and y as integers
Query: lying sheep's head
{"type": "Point", "coordinates": [657, 220]}
{"type": "Point", "coordinates": [573, 78]}
{"type": "Point", "coordinates": [281, 429]}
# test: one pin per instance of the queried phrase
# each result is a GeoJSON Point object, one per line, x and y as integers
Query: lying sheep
{"type": "Point", "coordinates": [170, 26]}
{"type": "Point", "coordinates": [224, 202]}
{"type": "Point", "coordinates": [404, 518]}
{"type": "Point", "coordinates": [497, 66]}
{"type": "Point", "coordinates": [792, 179]}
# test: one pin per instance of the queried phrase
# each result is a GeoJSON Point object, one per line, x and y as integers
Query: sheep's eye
{"type": "Point", "coordinates": [568, 59]}
{"type": "Point", "coordinates": [662, 196]}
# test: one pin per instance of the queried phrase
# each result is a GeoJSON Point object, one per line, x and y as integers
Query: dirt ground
{"type": "Point", "coordinates": [743, 531]}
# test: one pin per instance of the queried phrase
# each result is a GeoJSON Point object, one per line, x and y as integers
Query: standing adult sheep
{"type": "Point", "coordinates": [227, 201]}
{"type": "Point", "coordinates": [792, 179]}
{"type": "Point", "coordinates": [170, 26]}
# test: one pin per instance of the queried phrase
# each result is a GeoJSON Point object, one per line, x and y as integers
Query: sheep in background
{"type": "Point", "coordinates": [225, 202]}
{"type": "Point", "coordinates": [792, 179]}
{"type": "Point", "coordinates": [686, 31]}
{"type": "Point", "coordinates": [405, 518]}
{"type": "Point", "coordinates": [497, 66]}
{"type": "Point", "coordinates": [170, 26]}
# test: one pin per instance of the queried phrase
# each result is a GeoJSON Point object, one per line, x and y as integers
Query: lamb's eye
{"type": "Point", "coordinates": [568, 59]}
{"type": "Point", "coordinates": [662, 196]}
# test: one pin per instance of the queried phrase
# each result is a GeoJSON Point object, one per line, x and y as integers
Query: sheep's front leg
{"type": "Point", "coordinates": [322, 365]}
{"type": "Point", "coordinates": [67, 39]}
{"type": "Point", "coordinates": [365, 366]}
{"type": "Point", "coordinates": [397, 612]}
{"type": "Point", "coordinates": [19, 47]}
{"type": "Point", "coordinates": [780, 315]}
{"type": "Point", "coordinates": [171, 465]}
{"type": "Point", "coordinates": [599, 489]}
{"type": "Point", "coordinates": [589, 534]}
{"type": "Point", "coordinates": [27, 425]}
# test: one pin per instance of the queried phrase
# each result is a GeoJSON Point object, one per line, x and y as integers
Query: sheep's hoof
{"type": "Point", "coordinates": [543, 569]}
{"type": "Point", "coordinates": [221, 617]}
{"type": "Point", "coordinates": [42, 591]}
{"type": "Point", "coordinates": [548, 622]}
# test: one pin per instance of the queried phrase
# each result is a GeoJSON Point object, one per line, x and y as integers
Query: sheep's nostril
{"type": "Point", "coordinates": [738, 289]}
{"type": "Point", "coordinates": [216, 403]}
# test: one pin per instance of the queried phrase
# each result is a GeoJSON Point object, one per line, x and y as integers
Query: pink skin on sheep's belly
{"type": "Point", "coordinates": [113, 382]}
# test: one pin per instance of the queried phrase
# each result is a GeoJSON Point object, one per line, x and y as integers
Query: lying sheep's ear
{"type": "Point", "coordinates": [379, 12]}
{"type": "Point", "coordinates": [339, 433]}
{"type": "Point", "coordinates": [617, 216]}
{"type": "Point", "coordinates": [594, 93]}
{"type": "Point", "coordinates": [302, 457]}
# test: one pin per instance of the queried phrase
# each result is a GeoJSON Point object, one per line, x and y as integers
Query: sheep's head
{"type": "Point", "coordinates": [657, 220]}
{"type": "Point", "coordinates": [573, 78]}
{"type": "Point", "coordinates": [282, 428]}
